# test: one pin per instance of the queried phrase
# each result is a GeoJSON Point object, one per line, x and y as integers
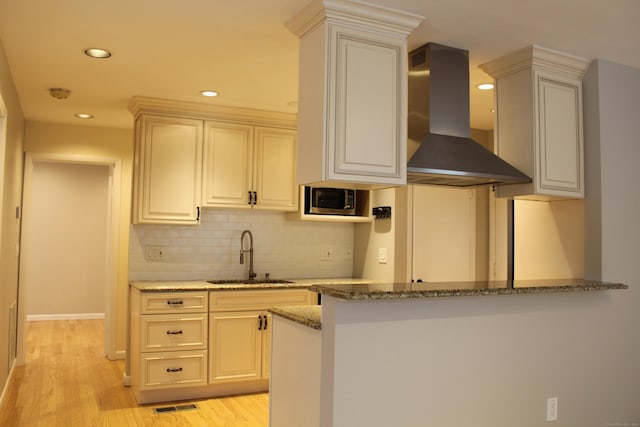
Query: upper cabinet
{"type": "Point", "coordinates": [539, 127]}
{"type": "Point", "coordinates": [189, 156]}
{"type": "Point", "coordinates": [352, 108]}
{"type": "Point", "coordinates": [168, 170]}
{"type": "Point", "coordinates": [249, 167]}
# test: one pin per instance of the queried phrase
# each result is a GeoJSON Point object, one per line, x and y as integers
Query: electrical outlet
{"type": "Point", "coordinates": [552, 409]}
{"type": "Point", "coordinates": [326, 253]}
{"type": "Point", "coordinates": [154, 253]}
{"type": "Point", "coordinates": [382, 255]}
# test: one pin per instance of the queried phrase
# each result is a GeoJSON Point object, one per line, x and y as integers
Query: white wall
{"type": "Point", "coordinates": [11, 182]}
{"type": "Point", "coordinates": [370, 237]}
{"type": "Point", "coordinates": [65, 239]}
{"type": "Point", "coordinates": [282, 247]}
{"type": "Point", "coordinates": [478, 361]}
{"type": "Point", "coordinates": [549, 239]}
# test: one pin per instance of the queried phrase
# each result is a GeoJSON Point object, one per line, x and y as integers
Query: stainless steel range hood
{"type": "Point", "coordinates": [439, 117]}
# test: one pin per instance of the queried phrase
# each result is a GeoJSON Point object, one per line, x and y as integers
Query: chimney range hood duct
{"type": "Point", "coordinates": [438, 95]}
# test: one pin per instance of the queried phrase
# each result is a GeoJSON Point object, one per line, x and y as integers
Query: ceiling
{"type": "Point", "coordinates": [174, 49]}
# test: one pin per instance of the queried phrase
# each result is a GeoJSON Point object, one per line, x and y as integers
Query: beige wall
{"type": "Point", "coordinates": [64, 237]}
{"type": "Point", "coordinates": [116, 144]}
{"type": "Point", "coordinates": [370, 237]}
{"type": "Point", "coordinates": [11, 185]}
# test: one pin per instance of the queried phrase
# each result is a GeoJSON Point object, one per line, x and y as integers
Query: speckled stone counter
{"type": "Point", "coordinates": [307, 315]}
{"type": "Point", "coordinates": [199, 285]}
{"type": "Point", "coordinates": [391, 291]}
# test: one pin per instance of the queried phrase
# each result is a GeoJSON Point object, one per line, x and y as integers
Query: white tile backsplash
{"type": "Point", "coordinates": [282, 247]}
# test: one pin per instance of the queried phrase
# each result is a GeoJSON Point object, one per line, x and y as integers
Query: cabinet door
{"type": "Point", "coordinates": [168, 170]}
{"type": "Point", "coordinates": [559, 151]}
{"type": "Point", "coordinates": [266, 345]}
{"type": "Point", "coordinates": [368, 120]}
{"type": "Point", "coordinates": [275, 169]}
{"type": "Point", "coordinates": [235, 346]}
{"type": "Point", "coordinates": [228, 163]}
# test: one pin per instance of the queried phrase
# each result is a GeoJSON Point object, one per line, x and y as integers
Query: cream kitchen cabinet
{"type": "Point", "coordinates": [167, 170]}
{"type": "Point", "coordinates": [352, 93]}
{"type": "Point", "coordinates": [239, 334]}
{"type": "Point", "coordinates": [168, 342]}
{"type": "Point", "coordinates": [240, 346]}
{"type": "Point", "coordinates": [249, 167]}
{"type": "Point", "coordinates": [539, 125]}
{"type": "Point", "coordinates": [189, 155]}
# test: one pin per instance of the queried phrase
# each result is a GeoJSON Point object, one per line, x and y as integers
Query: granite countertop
{"type": "Point", "coordinates": [200, 285]}
{"type": "Point", "coordinates": [307, 315]}
{"type": "Point", "coordinates": [390, 291]}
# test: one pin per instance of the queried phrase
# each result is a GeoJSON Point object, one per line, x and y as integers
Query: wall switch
{"type": "Point", "coordinates": [154, 253]}
{"type": "Point", "coordinates": [552, 409]}
{"type": "Point", "coordinates": [382, 255]}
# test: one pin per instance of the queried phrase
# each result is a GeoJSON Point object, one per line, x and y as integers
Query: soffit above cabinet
{"type": "Point", "coordinates": [140, 104]}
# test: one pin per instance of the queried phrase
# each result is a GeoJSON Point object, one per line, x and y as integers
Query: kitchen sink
{"type": "Point", "coordinates": [247, 281]}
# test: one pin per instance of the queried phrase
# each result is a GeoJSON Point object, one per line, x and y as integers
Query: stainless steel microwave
{"type": "Point", "coordinates": [329, 201]}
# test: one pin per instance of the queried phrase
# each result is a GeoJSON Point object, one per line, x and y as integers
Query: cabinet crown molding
{"type": "Point", "coordinates": [141, 105]}
{"type": "Point", "coordinates": [536, 56]}
{"type": "Point", "coordinates": [356, 14]}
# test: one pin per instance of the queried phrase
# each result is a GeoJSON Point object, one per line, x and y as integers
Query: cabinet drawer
{"type": "Point", "coordinates": [174, 302]}
{"type": "Point", "coordinates": [173, 369]}
{"type": "Point", "coordinates": [257, 300]}
{"type": "Point", "coordinates": [164, 332]}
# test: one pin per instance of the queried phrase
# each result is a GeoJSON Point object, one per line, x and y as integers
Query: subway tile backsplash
{"type": "Point", "coordinates": [283, 248]}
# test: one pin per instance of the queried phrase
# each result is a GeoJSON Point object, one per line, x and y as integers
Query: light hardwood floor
{"type": "Point", "coordinates": [67, 381]}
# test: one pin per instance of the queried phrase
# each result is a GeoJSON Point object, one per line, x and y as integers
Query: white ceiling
{"type": "Point", "coordinates": [173, 49]}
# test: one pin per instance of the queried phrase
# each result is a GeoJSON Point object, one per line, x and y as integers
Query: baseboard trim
{"type": "Point", "coordinates": [3, 396]}
{"type": "Point", "coordinates": [71, 316]}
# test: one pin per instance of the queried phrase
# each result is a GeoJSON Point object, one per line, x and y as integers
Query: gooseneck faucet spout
{"type": "Point", "coordinates": [252, 274]}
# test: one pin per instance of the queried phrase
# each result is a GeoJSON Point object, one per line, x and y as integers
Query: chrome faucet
{"type": "Point", "coordinates": [252, 274]}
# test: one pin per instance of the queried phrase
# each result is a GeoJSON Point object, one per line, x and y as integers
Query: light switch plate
{"type": "Point", "coordinates": [382, 255]}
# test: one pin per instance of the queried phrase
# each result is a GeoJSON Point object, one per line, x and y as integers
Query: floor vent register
{"type": "Point", "coordinates": [166, 409]}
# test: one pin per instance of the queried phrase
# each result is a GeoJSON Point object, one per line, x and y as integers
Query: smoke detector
{"type": "Point", "coordinates": [59, 93]}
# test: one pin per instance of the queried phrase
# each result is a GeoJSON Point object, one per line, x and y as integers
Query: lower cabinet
{"type": "Point", "coordinates": [195, 344]}
{"type": "Point", "coordinates": [239, 343]}
{"type": "Point", "coordinates": [173, 369]}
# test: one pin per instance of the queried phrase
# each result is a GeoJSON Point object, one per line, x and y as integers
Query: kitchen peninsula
{"type": "Point", "coordinates": [445, 354]}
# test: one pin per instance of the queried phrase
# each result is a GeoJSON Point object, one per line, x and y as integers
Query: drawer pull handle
{"type": "Point", "coordinates": [175, 302]}
{"type": "Point", "coordinates": [174, 369]}
{"type": "Point", "coordinates": [174, 332]}
{"type": "Point", "coordinates": [260, 324]}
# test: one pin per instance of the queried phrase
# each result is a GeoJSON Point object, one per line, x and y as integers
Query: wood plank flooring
{"type": "Point", "coordinates": [67, 381]}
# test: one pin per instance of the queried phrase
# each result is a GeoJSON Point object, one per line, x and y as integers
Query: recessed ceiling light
{"type": "Point", "coordinates": [83, 116]}
{"type": "Point", "coordinates": [95, 52]}
{"type": "Point", "coordinates": [209, 93]}
{"type": "Point", "coordinates": [485, 86]}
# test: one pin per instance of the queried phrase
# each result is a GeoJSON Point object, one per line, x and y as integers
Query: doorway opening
{"type": "Point", "coordinates": [68, 267]}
